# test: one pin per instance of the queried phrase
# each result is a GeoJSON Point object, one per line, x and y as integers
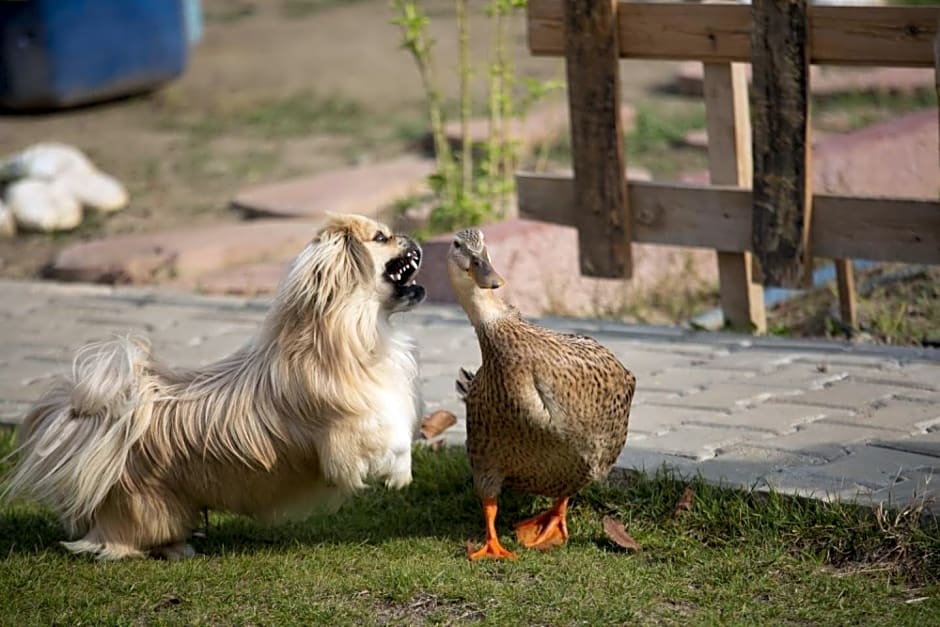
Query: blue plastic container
{"type": "Point", "coordinates": [62, 53]}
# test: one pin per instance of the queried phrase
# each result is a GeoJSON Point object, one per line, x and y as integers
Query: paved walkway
{"type": "Point", "coordinates": [809, 417]}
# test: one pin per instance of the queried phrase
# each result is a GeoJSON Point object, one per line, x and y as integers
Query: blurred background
{"type": "Point", "coordinates": [224, 129]}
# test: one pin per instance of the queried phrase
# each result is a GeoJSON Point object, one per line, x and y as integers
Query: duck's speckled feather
{"type": "Point", "coordinates": [546, 412]}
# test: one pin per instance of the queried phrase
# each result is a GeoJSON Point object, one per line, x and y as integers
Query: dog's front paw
{"type": "Point", "coordinates": [398, 481]}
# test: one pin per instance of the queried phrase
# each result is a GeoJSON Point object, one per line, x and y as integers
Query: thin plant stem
{"type": "Point", "coordinates": [466, 156]}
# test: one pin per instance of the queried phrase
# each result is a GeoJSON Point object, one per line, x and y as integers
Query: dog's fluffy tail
{"type": "Point", "coordinates": [75, 441]}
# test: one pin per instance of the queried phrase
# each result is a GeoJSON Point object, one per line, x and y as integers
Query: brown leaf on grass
{"type": "Point", "coordinates": [617, 534]}
{"type": "Point", "coordinates": [438, 422]}
{"type": "Point", "coordinates": [684, 504]}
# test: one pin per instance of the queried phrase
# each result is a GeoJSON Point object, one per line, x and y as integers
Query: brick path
{"type": "Point", "coordinates": [809, 417]}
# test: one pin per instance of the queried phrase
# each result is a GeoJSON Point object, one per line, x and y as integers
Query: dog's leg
{"type": "Point", "coordinates": [399, 474]}
{"type": "Point", "coordinates": [92, 544]}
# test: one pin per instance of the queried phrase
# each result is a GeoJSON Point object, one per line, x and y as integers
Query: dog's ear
{"type": "Point", "coordinates": [352, 259]}
{"type": "Point", "coordinates": [327, 271]}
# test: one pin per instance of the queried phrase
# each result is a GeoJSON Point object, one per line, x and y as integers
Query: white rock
{"type": "Point", "coordinates": [95, 189]}
{"type": "Point", "coordinates": [48, 160]}
{"type": "Point", "coordinates": [43, 205]}
{"type": "Point", "coordinates": [7, 222]}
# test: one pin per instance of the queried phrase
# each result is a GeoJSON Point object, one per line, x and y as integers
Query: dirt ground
{"type": "Point", "coordinates": [276, 88]}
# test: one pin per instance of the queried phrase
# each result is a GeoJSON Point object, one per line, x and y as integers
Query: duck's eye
{"type": "Point", "coordinates": [379, 237]}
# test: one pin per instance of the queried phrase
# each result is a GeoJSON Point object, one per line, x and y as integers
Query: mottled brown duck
{"type": "Point", "coordinates": [547, 412]}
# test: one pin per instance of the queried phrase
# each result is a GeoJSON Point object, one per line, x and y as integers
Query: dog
{"type": "Point", "coordinates": [128, 451]}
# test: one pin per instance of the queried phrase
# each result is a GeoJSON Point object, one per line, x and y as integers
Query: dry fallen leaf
{"type": "Point", "coordinates": [684, 504]}
{"type": "Point", "coordinates": [438, 422]}
{"type": "Point", "coordinates": [618, 535]}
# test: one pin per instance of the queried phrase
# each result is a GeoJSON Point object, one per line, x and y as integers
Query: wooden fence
{"type": "Point", "coordinates": [759, 212]}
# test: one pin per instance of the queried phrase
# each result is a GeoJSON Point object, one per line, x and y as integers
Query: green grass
{"type": "Point", "coordinates": [735, 558]}
{"type": "Point", "coordinates": [657, 139]}
{"type": "Point", "coordinates": [295, 115]}
{"type": "Point", "coordinates": [905, 310]}
{"type": "Point", "coordinates": [842, 113]}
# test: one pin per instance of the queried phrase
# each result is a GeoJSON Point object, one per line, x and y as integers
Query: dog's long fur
{"type": "Point", "coordinates": [128, 451]}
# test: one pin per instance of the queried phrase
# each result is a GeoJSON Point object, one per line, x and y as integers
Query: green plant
{"type": "Point", "coordinates": [468, 193]}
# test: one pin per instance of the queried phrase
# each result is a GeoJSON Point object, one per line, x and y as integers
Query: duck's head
{"type": "Point", "coordinates": [468, 264]}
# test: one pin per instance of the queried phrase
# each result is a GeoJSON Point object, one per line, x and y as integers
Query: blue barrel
{"type": "Point", "coordinates": [62, 53]}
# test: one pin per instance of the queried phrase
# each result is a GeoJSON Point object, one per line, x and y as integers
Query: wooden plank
{"type": "Point", "coordinates": [729, 163]}
{"type": "Point", "coordinates": [845, 281]}
{"type": "Point", "coordinates": [936, 70]}
{"type": "Point", "coordinates": [719, 217]}
{"type": "Point", "coordinates": [840, 35]}
{"type": "Point", "coordinates": [782, 192]}
{"type": "Point", "coordinates": [602, 214]}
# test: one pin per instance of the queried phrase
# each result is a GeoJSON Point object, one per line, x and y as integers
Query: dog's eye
{"type": "Point", "coordinates": [379, 237]}
{"type": "Point", "coordinates": [456, 244]}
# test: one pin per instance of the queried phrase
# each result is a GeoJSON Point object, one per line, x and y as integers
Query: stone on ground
{"type": "Point", "coordinates": [180, 255]}
{"type": "Point", "coordinates": [365, 190]}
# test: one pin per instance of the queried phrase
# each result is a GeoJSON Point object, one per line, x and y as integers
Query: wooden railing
{"type": "Point", "coordinates": [759, 213]}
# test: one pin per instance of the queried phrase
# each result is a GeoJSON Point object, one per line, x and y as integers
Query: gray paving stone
{"type": "Point", "coordinates": [645, 397]}
{"type": "Point", "coordinates": [695, 442]}
{"type": "Point", "coordinates": [876, 467]}
{"type": "Point", "coordinates": [901, 377]}
{"type": "Point", "coordinates": [645, 363]}
{"type": "Point", "coordinates": [750, 467]}
{"type": "Point", "coordinates": [920, 396]}
{"type": "Point", "coordinates": [798, 376]}
{"type": "Point", "coordinates": [690, 379]}
{"type": "Point", "coordinates": [916, 489]}
{"type": "Point", "coordinates": [772, 417]}
{"type": "Point", "coordinates": [12, 412]}
{"type": "Point", "coordinates": [729, 396]}
{"type": "Point", "coordinates": [920, 443]}
{"type": "Point", "coordinates": [845, 393]}
{"type": "Point", "coordinates": [660, 419]}
{"type": "Point", "coordinates": [895, 414]}
{"type": "Point", "coordinates": [822, 439]}
{"type": "Point", "coordinates": [753, 360]}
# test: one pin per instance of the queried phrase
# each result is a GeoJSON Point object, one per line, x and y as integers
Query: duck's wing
{"type": "Point", "coordinates": [583, 382]}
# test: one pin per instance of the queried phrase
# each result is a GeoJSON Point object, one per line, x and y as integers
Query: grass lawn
{"type": "Point", "coordinates": [735, 558]}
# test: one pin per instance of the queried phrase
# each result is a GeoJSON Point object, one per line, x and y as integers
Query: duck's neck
{"type": "Point", "coordinates": [484, 306]}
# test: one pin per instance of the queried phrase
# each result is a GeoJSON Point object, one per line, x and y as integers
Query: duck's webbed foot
{"type": "Point", "coordinates": [491, 548]}
{"type": "Point", "coordinates": [546, 530]}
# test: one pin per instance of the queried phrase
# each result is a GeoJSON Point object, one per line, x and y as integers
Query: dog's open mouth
{"type": "Point", "coordinates": [401, 272]}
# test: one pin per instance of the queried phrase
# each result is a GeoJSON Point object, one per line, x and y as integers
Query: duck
{"type": "Point", "coordinates": [547, 412]}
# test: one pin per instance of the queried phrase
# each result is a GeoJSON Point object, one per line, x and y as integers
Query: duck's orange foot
{"type": "Point", "coordinates": [492, 549]}
{"type": "Point", "coordinates": [544, 531]}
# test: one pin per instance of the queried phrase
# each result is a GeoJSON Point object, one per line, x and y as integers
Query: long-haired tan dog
{"type": "Point", "coordinates": [128, 451]}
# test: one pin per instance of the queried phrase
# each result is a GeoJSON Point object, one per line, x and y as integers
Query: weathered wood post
{"type": "Point", "coordinates": [592, 56]}
{"type": "Point", "coordinates": [782, 194]}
